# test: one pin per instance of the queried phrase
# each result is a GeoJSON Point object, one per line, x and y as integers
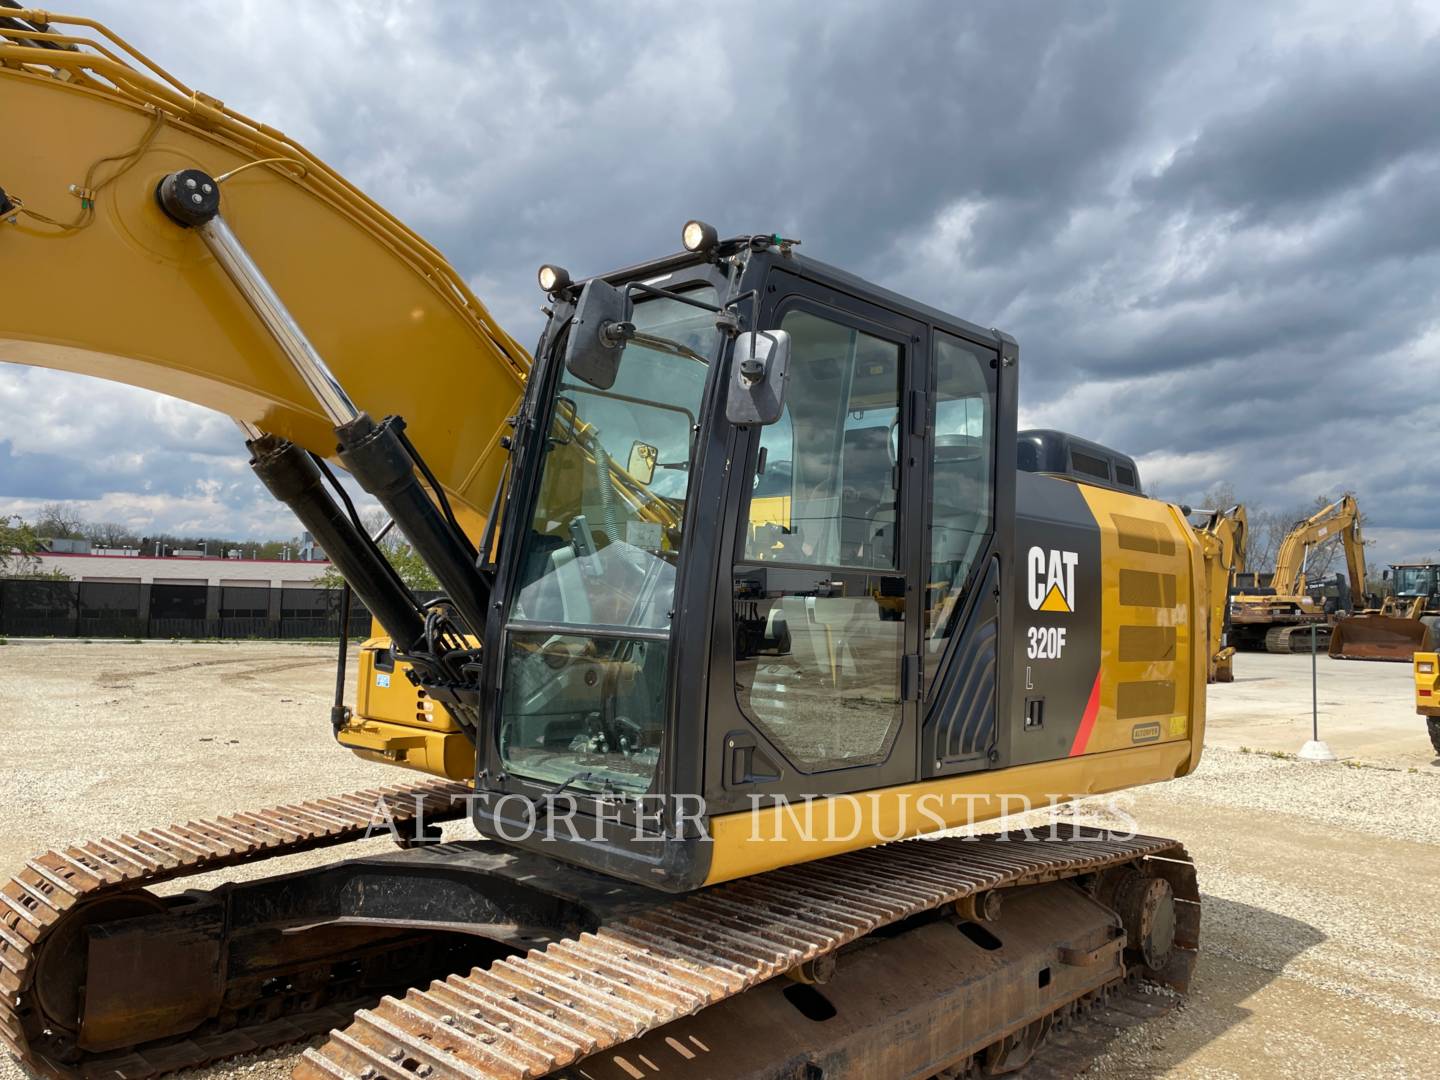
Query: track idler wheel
{"type": "Point", "coordinates": [60, 972]}
{"type": "Point", "coordinates": [1146, 906]}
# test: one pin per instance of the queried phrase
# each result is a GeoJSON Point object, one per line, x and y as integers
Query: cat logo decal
{"type": "Point", "coordinates": [1052, 580]}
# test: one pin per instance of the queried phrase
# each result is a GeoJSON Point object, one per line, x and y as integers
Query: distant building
{"type": "Point", "coordinates": [148, 596]}
{"type": "Point", "coordinates": [187, 569]}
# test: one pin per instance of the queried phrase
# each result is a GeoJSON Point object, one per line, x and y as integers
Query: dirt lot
{"type": "Point", "coordinates": [1319, 957]}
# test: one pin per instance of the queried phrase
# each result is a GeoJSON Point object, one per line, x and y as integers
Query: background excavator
{"type": "Point", "coordinates": [1222, 536]}
{"type": "Point", "coordinates": [658, 683]}
{"type": "Point", "coordinates": [1283, 617]}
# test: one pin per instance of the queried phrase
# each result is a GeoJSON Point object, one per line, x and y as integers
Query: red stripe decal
{"type": "Point", "coordinates": [1087, 722]}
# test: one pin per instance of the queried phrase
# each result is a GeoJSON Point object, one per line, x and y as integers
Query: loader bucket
{"type": "Point", "coordinates": [1379, 637]}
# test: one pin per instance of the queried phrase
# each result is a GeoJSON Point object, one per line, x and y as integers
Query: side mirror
{"type": "Point", "coordinates": [641, 464]}
{"type": "Point", "coordinates": [1384, 575]}
{"type": "Point", "coordinates": [592, 355]}
{"type": "Point", "coordinates": [759, 371]}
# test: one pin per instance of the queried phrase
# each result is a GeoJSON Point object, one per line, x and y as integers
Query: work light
{"type": "Point", "coordinates": [553, 278]}
{"type": "Point", "coordinates": [697, 236]}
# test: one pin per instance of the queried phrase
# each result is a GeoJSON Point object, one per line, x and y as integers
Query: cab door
{"type": "Point", "coordinates": [823, 635]}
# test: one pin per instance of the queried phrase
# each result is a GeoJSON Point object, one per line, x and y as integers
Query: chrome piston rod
{"type": "Point", "coordinates": [377, 454]}
{"type": "Point", "coordinates": [308, 364]}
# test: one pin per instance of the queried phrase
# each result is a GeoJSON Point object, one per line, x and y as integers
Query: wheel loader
{"type": "Point", "coordinates": [1426, 668]}
{"type": "Point", "coordinates": [1402, 626]}
{"type": "Point", "coordinates": [746, 609]}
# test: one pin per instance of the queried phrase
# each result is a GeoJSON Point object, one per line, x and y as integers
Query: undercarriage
{"type": "Point", "coordinates": [952, 954]}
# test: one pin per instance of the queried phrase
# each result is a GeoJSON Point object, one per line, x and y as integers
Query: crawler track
{"type": "Point", "coordinates": [60, 885]}
{"type": "Point", "coordinates": [528, 1016]}
{"type": "Point", "coordinates": [543, 1012]}
{"type": "Point", "coordinates": [1296, 639]}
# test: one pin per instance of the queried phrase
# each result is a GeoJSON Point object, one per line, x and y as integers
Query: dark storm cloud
{"type": "Point", "coordinates": [1327, 126]}
{"type": "Point", "coordinates": [1215, 228]}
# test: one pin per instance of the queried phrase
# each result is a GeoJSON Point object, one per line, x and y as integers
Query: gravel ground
{"type": "Point", "coordinates": [1319, 950]}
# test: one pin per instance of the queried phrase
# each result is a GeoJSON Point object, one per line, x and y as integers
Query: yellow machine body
{"type": "Point", "coordinates": [376, 300]}
{"type": "Point", "coordinates": [1426, 667]}
{"type": "Point", "coordinates": [1398, 630]}
{"type": "Point", "coordinates": [1066, 631]}
{"type": "Point", "coordinates": [1148, 643]}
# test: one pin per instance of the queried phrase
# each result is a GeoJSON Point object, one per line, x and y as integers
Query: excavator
{"type": "Point", "coordinates": [1222, 536]}
{"type": "Point", "coordinates": [1284, 618]}
{"type": "Point", "coordinates": [713, 784]}
{"type": "Point", "coordinates": [1402, 626]}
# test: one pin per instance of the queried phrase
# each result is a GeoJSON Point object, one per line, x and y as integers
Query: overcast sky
{"type": "Point", "coordinates": [1213, 227]}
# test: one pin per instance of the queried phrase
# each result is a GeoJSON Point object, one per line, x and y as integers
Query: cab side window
{"type": "Point", "coordinates": [824, 492]}
{"type": "Point", "coordinates": [819, 606]}
{"type": "Point", "coordinates": [962, 480]}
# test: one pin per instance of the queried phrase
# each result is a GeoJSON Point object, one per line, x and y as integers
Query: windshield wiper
{"type": "Point", "coordinates": [627, 332]}
{"type": "Point", "coordinates": [607, 787]}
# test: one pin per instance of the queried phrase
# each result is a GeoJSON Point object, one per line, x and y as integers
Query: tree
{"type": "Point", "coordinates": [410, 566]}
{"type": "Point", "coordinates": [19, 551]}
{"type": "Point", "coordinates": [111, 534]}
{"type": "Point", "coordinates": [18, 545]}
{"type": "Point", "coordinates": [58, 521]}
{"type": "Point", "coordinates": [1220, 496]}
{"type": "Point", "coordinates": [397, 551]}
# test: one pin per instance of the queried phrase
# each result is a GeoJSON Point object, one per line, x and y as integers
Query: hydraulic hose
{"type": "Point", "coordinates": [377, 457]}
{"type": "Point", "coordinates": [293, 478]}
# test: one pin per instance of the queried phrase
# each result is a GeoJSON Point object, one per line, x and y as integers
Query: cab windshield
{"type": "Point", "coordinates": [1415, 580]}
{"type": "Point", "coordinates": [587, 639]}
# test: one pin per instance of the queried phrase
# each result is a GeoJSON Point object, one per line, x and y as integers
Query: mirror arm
{"type": "Point", "coordinates": [732, 322]}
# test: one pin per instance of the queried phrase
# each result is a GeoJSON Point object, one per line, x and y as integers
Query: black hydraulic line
{"type": "Point", "coordinates": [339, 714]}
{"type": "Point", "coordinates": [292, 477]}
{"type": "Point", "coordinates": [434, 484]}
{"type": "Point", "coordinates": [377, 457]}
{"type": "Point", "coordinates": [487, 542]}
{"type": "Point", "coordinates": [339, 488]}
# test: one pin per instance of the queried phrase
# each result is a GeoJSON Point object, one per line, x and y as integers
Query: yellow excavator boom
{"type": "Point", "coordinates": [98, 125]}
{"type": "Point", "coordinates": [1291, 562]}
{"type": "Point", "coordinates": [1222, 541]}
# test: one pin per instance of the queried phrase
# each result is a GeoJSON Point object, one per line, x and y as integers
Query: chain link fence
{"type": "Point", "coordinates": [32, 607]}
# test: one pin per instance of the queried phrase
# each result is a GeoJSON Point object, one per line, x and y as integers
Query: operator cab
{"type": "Point", "coordinates": [756, 501]}
{"type": "Point", "coordinates": [1415, 579]}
